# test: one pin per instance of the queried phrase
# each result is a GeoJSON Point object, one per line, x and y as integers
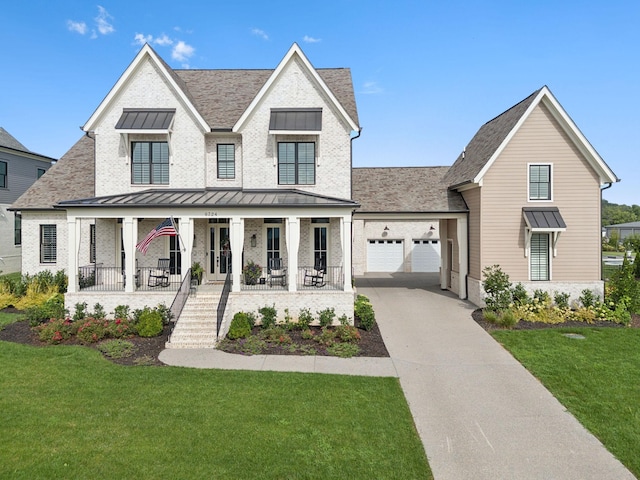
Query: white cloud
{"type": "Point", "coordinates": [79, 27]}
{"type": "Point", "coordinates": [260, 33]}
{"type": "Point", "coordinates": [141, 39]}
{"type": "Point", "coordinates": [182, 52]}
{"type": "Point", "coordinates": [309, 39]}
{"type": "Point", "coordinates": [102, 21]}
{"type": "Point", "coordinates": [163, 40]}
{"type": "Point", "coordinates": [371, 88]}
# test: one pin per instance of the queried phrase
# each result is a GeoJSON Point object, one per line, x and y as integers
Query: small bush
{"type": "Point", "coordinates": [507, 318]}
{"type": "Point", "coordinates": [561, 299]}
{"type": "Point", "coordinates": [98, 311]}
{"type": "Point", "coordinates": [497, 287]}
{"type": "Point", "coordinates": [305, 318]}
{"type": "Point", "coordinates": [588, 298]}
{"type": "Point", "coordinates": [490, 316]}
{"type": "Point", "coordinates": [117, 348]}
{"type": "Point", "coordinates": [240, 327]}
{"type": "Point", "coordinates": [326, 317]}
{"type": "Point", "coordinates": [251, 318]}
{"type": "Point", "coordinates": [269, 315]}
{"type": "Point", "coordinates": [150, 323]}
{"type": "Point", "coordinates": [272, 334]}
{"type": "Point", "coordinates": [165, 313]}
{"type": "Point", "coordinates": [347, 333]}
{"type": "Point", "coordinates": [326, 338]}
{"type": "Point", "coordinates": [344, 320]}
{"type": "Point", "coordinates": [55, 330]}
{"type": "Point", "coordinates": [307, 334]}
{"type": "Point", "coordinates": [542, 296]}
{"type": "Point", "coordinates": [343, 350]}
{"type": "Point", "coordinates": [92, 330]}
{"type": "Point", "coordinates": [364, 312]}
{"type": "Point", "coordinates": [80, 311]}
{"type": "Point", "coordinates": [51, 309]}
{"type": "Point", "coordinates": [122, 312]}
{"type": "Point", "coordinates": [520, 295]}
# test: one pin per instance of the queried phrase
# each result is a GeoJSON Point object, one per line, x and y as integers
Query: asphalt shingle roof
{"type": "Point", "coordinates": [9, 141]}
{"type": "Point", "coordinates": [485, 143]}
{"type": "Point", "coordinates": [404, 189]}
{"type": "Point", "coordinates": [73, 176]}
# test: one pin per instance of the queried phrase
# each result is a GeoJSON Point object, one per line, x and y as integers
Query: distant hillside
{"type": "Point", "coordinates": [612, 213]}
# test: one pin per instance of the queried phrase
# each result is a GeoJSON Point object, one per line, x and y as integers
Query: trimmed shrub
{"type": "Point", "coordinates": [55, 330]}
{"type": "Point", "coordinates": [269, 315]}
{"type": "Point", "coordinates": [364, 312]}
{"type": "Point", "coordinates": [92, 330]}
{"type": "Point", "coordinates": [150, 323]}
{"type": "Point", "coordinates": [51, 309]}
{"type": "Point", "coordinates": [122, 312]}
{"type": "Point", "coordinates": [240, 327]}
{"type": "Point", "coordinates": [305, 318]}
{"type": "Point", "coordinates": [347, 333]}
{"type": "Point", "coordinates": [497, 287]}
{"type": "Point", "coordinates": [326, 317]}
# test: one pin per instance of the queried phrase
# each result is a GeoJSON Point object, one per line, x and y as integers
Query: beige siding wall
{"type": "Point", "coordinates": [473, 199]}
{"type": "Point", "coordinates": [575, 191]}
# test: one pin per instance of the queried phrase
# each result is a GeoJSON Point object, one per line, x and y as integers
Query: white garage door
{"type": "Point", "coordinates": [385, 256]}
{"type": "Point", "coordinates": [425, 256]}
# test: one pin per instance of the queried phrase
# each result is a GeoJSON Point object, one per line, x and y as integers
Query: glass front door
{"type": "Point", "coordinates": [219, 252]}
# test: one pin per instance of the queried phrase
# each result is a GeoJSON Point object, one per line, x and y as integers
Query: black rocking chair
{"type": "Point", "coordinates": [276, 271]}
{"type": "Point", "coordinates": [315, 277]}
{"type": "Point", "coordinates": [159, 276]}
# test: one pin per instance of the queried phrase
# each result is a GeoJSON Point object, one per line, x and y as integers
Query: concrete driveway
{"type": "Point", "coordinates": [479, 413]}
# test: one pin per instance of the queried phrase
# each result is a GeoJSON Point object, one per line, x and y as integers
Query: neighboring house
{"type": "Point", "coordinates": [252, 165]}
{"type": "Point", "coordinates": [19, 169]}
{"type": "Point", "coordinates": [623, 230]}
{"type": "Point", "coordinates": [524, 194]}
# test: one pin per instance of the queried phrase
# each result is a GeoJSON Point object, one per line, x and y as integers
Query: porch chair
{"type": "Point", "coordinates": [314, 277]}
{"type": "Point", "coordinates": [276, 271]}
{"type": "Point", "coordinates": [159, 276]}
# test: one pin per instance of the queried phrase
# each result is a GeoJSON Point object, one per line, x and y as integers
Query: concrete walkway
{"type": "Point", "coordinates": [479, 413]}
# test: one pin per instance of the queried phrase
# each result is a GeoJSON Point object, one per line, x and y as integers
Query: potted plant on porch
{"type": "Point", "coordinates": [196, 272]}
{"type": "Point", "coordinates": [252, 272]}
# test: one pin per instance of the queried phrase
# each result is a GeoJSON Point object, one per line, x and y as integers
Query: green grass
{"type": "Point", "coordinates": [14, 277]}
{"type": "Point", "coordinates": [597, 379]}
{"type": "Point", "coordinates": [66, 412]}
{"type": "Point", "coordinates": [9, 318]}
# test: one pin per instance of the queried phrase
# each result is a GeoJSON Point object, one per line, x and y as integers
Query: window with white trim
{"type": "Point", "coordinates": [540, 256]}
{"type": "Point", "coordinates": [226, 160]}
{"type": "Point", "coordinates": [48, 244]}
{"type": "Point", "coordinates": [539, 182]}
{"type": "Point", "coordinates": [296, 163]}
{"type": "Point", "coordinates": [150, 163]}
{"type": "Point", "coordinates": [320, 243]}
{"type": "Point", "coordinates": [273, 242]}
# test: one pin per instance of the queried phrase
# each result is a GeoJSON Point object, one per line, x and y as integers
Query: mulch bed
{"type": "Point", "coordinates": [147, 349]}
{"type": "Point", "coordinates": [525, 325]}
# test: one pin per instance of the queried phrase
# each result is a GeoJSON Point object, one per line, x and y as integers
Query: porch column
{"type": "Point", "coordinates": [72, 261]}
{"type": "Point", "coordinates": [292, 225]}
{"type": "Point", "coordinates": [236, 235]}
{"type": "Point", "coordinates": [129, 235]}
{"type": "Point", "coordinates": [345, 238]}
{"type": "Point", "coordinates": [444, 253]}
{"type": "Point", "coordinates": [463, 256]}
{"type": "Point", "coordinates": [185, 226]}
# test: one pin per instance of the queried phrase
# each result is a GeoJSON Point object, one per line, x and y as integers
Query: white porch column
{"type": "Point", "coordinates": [292, 236]}
{"type": "Point", "coordinates": [236, 235]}
{"type": "Point", "coordinates": [463, 256]}
{"type": "Point", "coordinates": [185, 227]}
{"type": "Point", "coordinates": [129, 236]}
{"type": "Point", "coordinates": [345, 239]}
{"type": "Point", "coordinates": [444, 253]}
{"type": "Point", "coordinates": [73, 241]}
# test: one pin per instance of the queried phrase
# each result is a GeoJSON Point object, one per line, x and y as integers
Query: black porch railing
{"type": "Point", "coordinates": [181, 296]}
{"type": "Point", "coordinates": [222, 304]}
{"type": "Point", "coordinates": [97, 277]}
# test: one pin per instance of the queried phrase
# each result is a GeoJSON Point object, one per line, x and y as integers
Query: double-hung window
{"type": "Point", "coordinates": [92, 243]}
{"type": "Point", "coordinates": [48, 244]}
{"type": "Point", "coordinates": [296, 163]}
{"type": "Point", "coordinates": [17, 229]}
{"type": "Point", "coordinates": [540, 256]}
{"type": "Point", "coordinates": [539, 182]}
{"type": "Point", "coordinates": [226, 160]}
{"type": "Point", "coordinates": [150, 163]}
{"type": "Point", "coordinates": [3, 174]}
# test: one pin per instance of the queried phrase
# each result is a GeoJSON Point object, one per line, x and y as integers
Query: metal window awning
{"type": "Point", "coordinates": [142, 120]}
{"type": "Point", "coordinates": [542, 220]}
{"type": "Point", "coordinates": [295, 120]}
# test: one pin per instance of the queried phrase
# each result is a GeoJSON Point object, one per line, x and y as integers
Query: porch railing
{"type": "Point", "coordinates": [222, 304]}
{"type": "Point", "coordinates": [331, 280]}
{"type": "Point", "coordinates": [181, 296]}
{"type": "Point", "coordinates": [97, 277]}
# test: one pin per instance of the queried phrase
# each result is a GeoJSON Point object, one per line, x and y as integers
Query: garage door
{"type": "Point", "coordinates": [425, 256]}
{"type": "Point", "coordinates": [385, 256]}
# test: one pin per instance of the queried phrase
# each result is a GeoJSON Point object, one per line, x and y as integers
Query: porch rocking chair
{"type": "Point", "coordinates": [159, 276]}
{"type": "Point", "coordinates": [315, 277]}
{"type": "Point", "coordinates": [276, 271]}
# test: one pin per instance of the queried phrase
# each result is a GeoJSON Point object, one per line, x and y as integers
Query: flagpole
{"type": "Point", "coordinates": [173, 223]}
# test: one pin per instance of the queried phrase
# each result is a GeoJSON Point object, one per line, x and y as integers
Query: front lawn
{"type": "Point", "coordinates": [597, 379]}
{"type": "Point", "coordinates": [8, 318]}
{"type": "Point", "coordinates": [66, 412]}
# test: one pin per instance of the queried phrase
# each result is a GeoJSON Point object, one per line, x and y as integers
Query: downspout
{"type": "Point", "coordinates": [609, 184]}
{"type": "Point", "coordinates": [351, 195]}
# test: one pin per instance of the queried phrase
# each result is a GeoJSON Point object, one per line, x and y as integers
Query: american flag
{"type": "Point", "coordinates": [166, 228]}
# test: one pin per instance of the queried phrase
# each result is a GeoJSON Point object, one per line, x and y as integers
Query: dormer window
{"type": "Point", "coordinates": [540, 182]}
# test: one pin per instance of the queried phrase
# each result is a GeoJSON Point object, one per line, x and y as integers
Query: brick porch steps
{"type": "Point", "coordinates": [196, 327]}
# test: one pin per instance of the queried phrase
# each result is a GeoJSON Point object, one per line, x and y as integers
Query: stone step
{"type": "Point", "coordinates": [190, 345]}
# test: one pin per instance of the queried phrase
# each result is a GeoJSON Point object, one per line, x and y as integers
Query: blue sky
{"type": "Point", "coordinates": [427, 74]}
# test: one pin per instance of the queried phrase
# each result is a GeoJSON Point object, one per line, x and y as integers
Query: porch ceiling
{"type": "Point", "coordinates": [212, 197]}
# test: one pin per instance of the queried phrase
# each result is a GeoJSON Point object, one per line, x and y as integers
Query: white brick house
{"type": "Point", "coordinates": [251, 164]}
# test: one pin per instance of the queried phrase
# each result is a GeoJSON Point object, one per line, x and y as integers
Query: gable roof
{"type": "Point", "coordinates": [218, 99]}
{"type": "Point", "coordinates": [9, 141]}
{"type": "Point", "coordinates": [73, 176]}
{"type": "Point", "coordinates": [493, 137]}
{"type": "Point", "coordinates": [404, 189]}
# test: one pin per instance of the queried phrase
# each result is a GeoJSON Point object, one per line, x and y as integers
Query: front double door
{"type": "Point", "coordinates": [218, 251]}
